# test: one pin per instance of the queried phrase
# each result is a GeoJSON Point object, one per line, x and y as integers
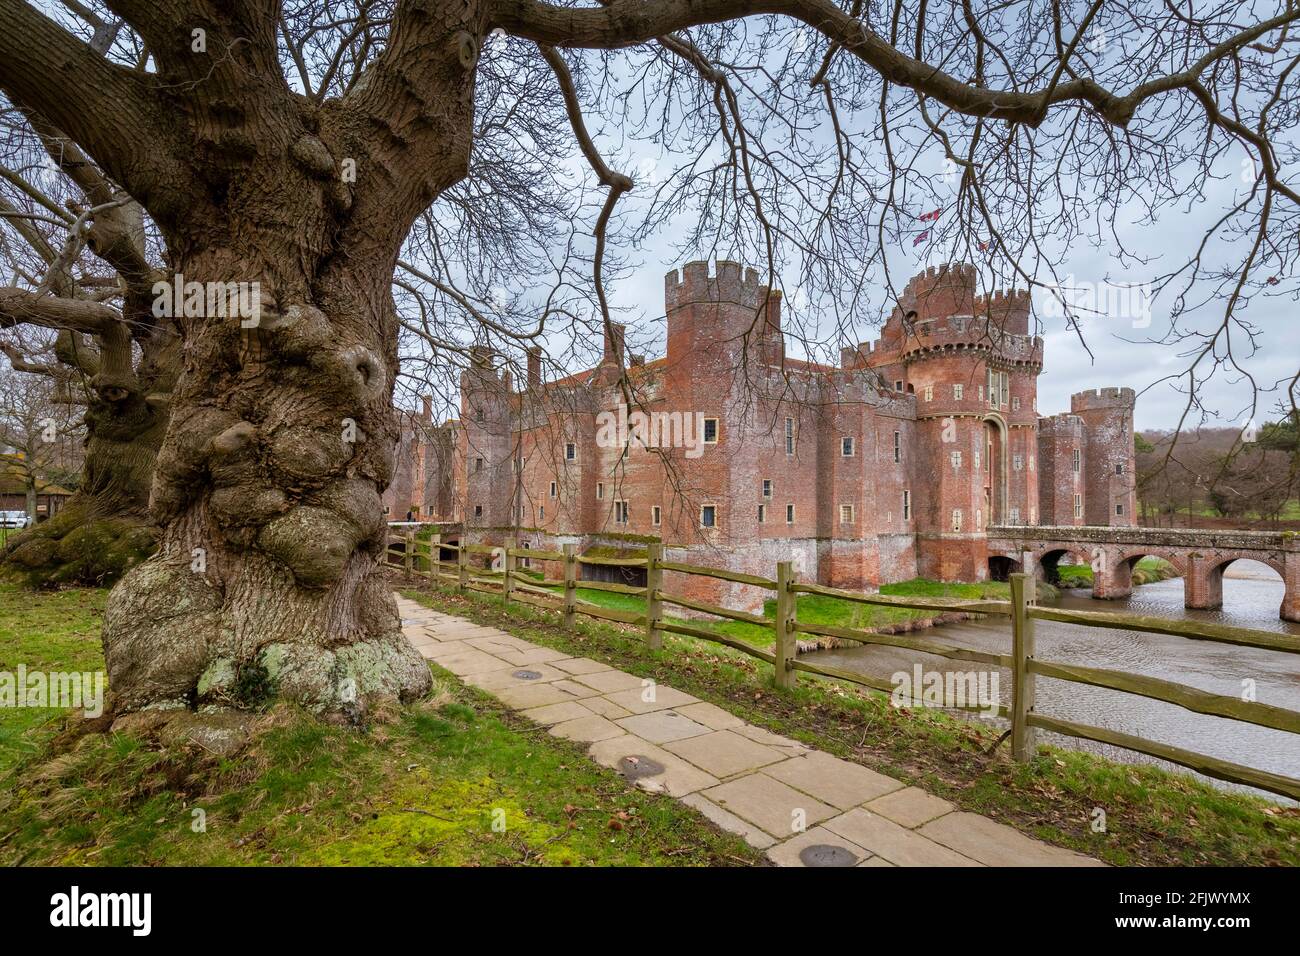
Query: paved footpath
{"type": "Point", "coordinates": [804, 807]}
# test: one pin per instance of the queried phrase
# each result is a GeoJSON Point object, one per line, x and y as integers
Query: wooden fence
{"type": "Point", "coordinates": [1021, 611]}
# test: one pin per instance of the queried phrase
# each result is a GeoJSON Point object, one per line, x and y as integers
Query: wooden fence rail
{"type": "Point", "coordinates": [1022, 611]}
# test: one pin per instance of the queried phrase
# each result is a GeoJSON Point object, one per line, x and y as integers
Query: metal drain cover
{"type": "Point", "coordinates": [825, 854]}
{"type": "Point", "coordinates": [527, 675]}
{"type": "Point", "coordinates": [634, 767]}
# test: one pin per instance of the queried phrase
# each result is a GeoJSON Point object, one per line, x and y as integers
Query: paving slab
{"type": "Point", "coordinates": [831, 780]}
{"type": "Point", "coordinates": [728, 821]}
{"type": "Point", "coordinates": [535, 655]}
{"type": "Point", "coordinates": [587, 730]}
{"type": "Point", "coordinates": [791, 748]}
{"type": "Point", "coordinates": [710, 715]}
{"type": "Point", "coordinates": [897, 844]}
{"type": "Point", "coordinates": [996, 844]}
{"type": "Point", "coordinates": [493, 681]}
{"type": "Point", "coordinates": [572, 687]}
{"type": "Point", "coordinates": [537, 695]}
{"type": "Point", "coordinates": [780, 810]}
{"type": "Point", "coordinates": [557, 713]}
{"type": "Point", "coordinates": [724, 753]}
{"type": "Point", "coordinates": [609, 682]}
{"type": "Point", "coordinates": [662, 698]}
{"type": "Point", "coordinates": [446, 649]}
{"type": "Point", "coordinates": [910, 807]}
{"type": "Point", "coordinates": [674, 776]}
{"type": "Point", "coordinates": [470, 662]}
{"type": "Point", "coordinates": [662, 726]}
{"type": "Point", "coordinates": [818, 847]}
{"type": "Point", "coordinates": [604, 706]}
{"type": "Point", "coordinates": [581, 665]}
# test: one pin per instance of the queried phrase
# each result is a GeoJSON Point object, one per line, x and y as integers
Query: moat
{"type": "Point", "coordinates": [1252, 593]}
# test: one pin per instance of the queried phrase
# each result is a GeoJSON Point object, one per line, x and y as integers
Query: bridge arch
{"type": "Point", "coordinates": [1205, 584]}
{"type": "Point", "coordinates": [1001, 566]}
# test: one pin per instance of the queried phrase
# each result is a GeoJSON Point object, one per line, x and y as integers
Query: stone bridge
{"type": "Point", "coordinates": [1199, 556]}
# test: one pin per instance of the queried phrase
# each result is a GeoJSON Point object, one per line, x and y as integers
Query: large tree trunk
{"type": "Point", "coordinates": [103, 530]}
{"type": "Point", "coordinates": [268, 578]}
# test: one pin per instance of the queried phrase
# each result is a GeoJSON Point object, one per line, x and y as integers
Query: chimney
{"type": "Point", "coordinates": [614, 337]}
{"type": "Point", "coordinates": [427, 400]}
{"type": "Point", "coordinates": [535, 367]}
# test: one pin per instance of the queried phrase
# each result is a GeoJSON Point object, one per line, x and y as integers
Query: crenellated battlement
{"type": "Point", "coordinates": [1006, 309]}
{"type": "Point", "coordinates": [1103, 398]}
{"type": "Point", "coordinates": [939, 291]}
{"type": "Point", "coordinates": [1060, 424]}
{"type": "Point", "coordinates": [733, 283]}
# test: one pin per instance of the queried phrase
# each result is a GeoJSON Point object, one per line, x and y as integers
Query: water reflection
{"type": "Point", "coordinates": [1252, 594]}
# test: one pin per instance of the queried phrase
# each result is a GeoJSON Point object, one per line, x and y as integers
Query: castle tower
{"type": "Point", "coordinates": [485, 442]}
{"type": "Point", "coordinates": [1109, 468]}
{"type": "Point", "coordinates": [974, 371]}
{"type": "Point", "coordinates": [1061, 444]}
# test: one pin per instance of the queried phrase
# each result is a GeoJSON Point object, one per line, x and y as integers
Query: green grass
{"type": "Point", "coordinates": [427, 784]}
{"type": "Point", "coordinates": [49, 631]}
{"type": "Point", "coordinates": [1154, 817]}
{"type": "Point", "coordinates": [1146, 571]}
{"type": "Point", "coordinates": [817, 609]}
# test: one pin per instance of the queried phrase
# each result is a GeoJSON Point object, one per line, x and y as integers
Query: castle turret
{"type": "Point", "coordinates": [485, 440]}
{"type": "Point", "coordinates": [1110, 487]}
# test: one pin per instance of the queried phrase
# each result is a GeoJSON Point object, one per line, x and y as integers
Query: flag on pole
{"type": "Point", "coordinates": [932, 216]}
{"type": "Point", "coordinates": [923, 235]}
{"type": "Point", "coordinates": [984, 246]}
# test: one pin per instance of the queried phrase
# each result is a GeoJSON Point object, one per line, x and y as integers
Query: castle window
{"type": "Point", "coordinates": [956, 460]}
{"type": "Point", "coordinates": [929, 393]}
{"type": "Point", "coordinates": [767, 487]}
{"type": "Point", "coordinates": [1015, 404]}
{"type": "Point", "coordinates": [553, 490]}
{"type": "Point", "coordinates": [1031, 462]}
{"type": "Point", "coordinates": [1119, 468]}
{"type": "Point", "coordinates": [898, 385]}
{"type": "Point", "coordinates": [478, 511]}
{"type": "Point", "coordinates": [1119, 509]}
{"type": "Point", "coordinates": [956, 519]}
{"type": "Point", "coordinates": [709, 516]}
{"type": "Point", "coordinates": [1015, 516]}
{"type": "Point", "coordinates": [979, 518]}
{"type": "Point", "coordinates": [600, 490]}
{"type": "Point", "coordinates": [846, 514]}
{"type": "Point", "coordinates": [710, 431]}
{"type": "Point", "coordinates": [478, 414]}
{"type": "Point", "coordinates": [762, 514]}
{"type": "Point", "coordinates": [789, 436]}
{"type": "Point", "coordinates": [541, 512]}
{"type": "Point", "coordinates": [846, 447]}
{"type": "Point", "coordinates": [478, 465]}
{"type": "Point", "coordinates": [1017, 462]}
{"type": "Point", "coordinates": [570, 451]}
{"type": "Point", "coordinates": [655, 515]}
{"type": "Point", "coordinates": [907, 506]}
{"type": "Point", "coordinates": [958, 391]}
{"type": "Point", "coordinates": [977, 460]}
{"type": "Point", "coordinates": [1078, 506]}
{"type": "Point", "coordinates": [620, 512]}
{"type": "Point", "coordinates": [898, 447]}
{"type": "Point", "coordinates": [1075, 463]}
{"type": "Point", "coordinates": [981, 393]}
{"type": "Point", "coordinates": [789, 514]}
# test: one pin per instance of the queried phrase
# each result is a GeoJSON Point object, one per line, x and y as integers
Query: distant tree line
{"type": "Point", "coordinates": [1245, 475]}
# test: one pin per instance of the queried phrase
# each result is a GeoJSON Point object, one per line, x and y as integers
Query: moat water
{"type": "Point", "coordinates": [1252, 594]}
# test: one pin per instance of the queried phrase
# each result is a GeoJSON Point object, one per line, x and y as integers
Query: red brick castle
{"type": "Point", "coordinates": [889, 467]}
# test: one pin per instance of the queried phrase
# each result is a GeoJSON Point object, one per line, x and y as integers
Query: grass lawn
{"type": "Point", "coordinates": [818, 609]}
{"type": "Point", "coordinates": [1153, 817]}
{"type": "Point", "coordinates": [1146, 571]}
{"type": "Point", "coordinates": [456, 780]}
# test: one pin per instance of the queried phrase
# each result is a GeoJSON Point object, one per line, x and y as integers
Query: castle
{"type": "Point", "coordinates": [891, 466]}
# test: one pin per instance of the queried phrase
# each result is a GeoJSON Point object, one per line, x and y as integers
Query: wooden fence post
{"type": "Point", "coordinates": [408, 559]}
{"type": "Point", "coordinates": [435, 557]}
{"type": "Point", "coordinates": [1022, 681]}
{"type": "Point", "coordinates": [508, 568]}
{"type": "Point", "coordinates": [654, 582]}
{"type": "Point", "coordinates": [462, 568]}
{"type": "Point", "coordinates": [784, 646]}
{"type": "Point", "coordinates": [570, 584]}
